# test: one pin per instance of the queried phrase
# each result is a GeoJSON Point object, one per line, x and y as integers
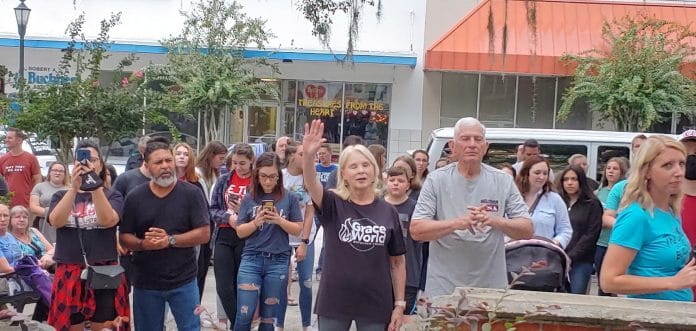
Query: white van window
{"type": "Point", "coordinates": [604, 153]}
{"type": "Point", "coordinates": [557, 155]}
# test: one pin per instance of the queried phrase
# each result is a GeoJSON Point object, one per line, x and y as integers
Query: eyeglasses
{"type": "Point", "coordinates": [268, 177]}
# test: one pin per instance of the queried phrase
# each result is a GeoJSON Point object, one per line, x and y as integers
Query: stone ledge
{"type": "Point", "coordinates": [583, 309]}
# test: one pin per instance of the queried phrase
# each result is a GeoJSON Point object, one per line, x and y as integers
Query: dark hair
{"type": "Point", "coordinates": [531, 143]}
{"type": "Point", "coordinates": [353, 140]}
{"type": "Point", "coordinates": [290, 149]}
{"type": "Point", "coordinates": [623, 165]}
{"type": "Point", "coordinates": [240, 149]}
{"type": "Point", "coordinates": [155, 144]}
{"type": "Point", "coordinates": [584, 190]}
{"type": "Point", "coordinates": [522, 180]}
{"type": "Point", "coordinates": [267, 159]}
{"type": "Point", "coordinates": [415, 183]}
{"type": "Point", "coordinates": [325, 145]}
{"type": "Point", "coordinates": [18, 132]}
{"type": "Point", "coordinates": [442, 159]}
{"type": "Point", "coordinates": [112, 172]}
{"type": "Point", "coordinates": [87, 144]}
{"type": "Point", "coordinates": [398, 171]}
{"type": "Point", "coordinates": [203, 162]}
{"type": "Point", "coordinates": [510, 167]}
{"type": "Point", "coordinates": [427, 156]}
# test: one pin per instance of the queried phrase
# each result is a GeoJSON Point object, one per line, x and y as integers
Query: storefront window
{"type": "Point", "coordinates": [459, 92]}
{"type": "Point", "coordinates": [535, 102]}
{"type": "Point", "coordinates": [367, 112]}
{"type": "Point", "coordinates": [580, 117]}
{"type": "Point", "coordinates": [497, 105]}
{"type": "Point", "coordinates": [320, 100]}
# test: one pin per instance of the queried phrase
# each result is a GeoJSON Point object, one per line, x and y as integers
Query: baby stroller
{"type": "Point", "coordinates": [547, 261]}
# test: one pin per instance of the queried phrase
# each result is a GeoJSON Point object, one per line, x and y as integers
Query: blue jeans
{"type": "Point", "coordinates": [148, 307]}
{"type": "Point", "coordinates": [580, 277]}
{"type": "Point", "coordinates": [304, 278]}
{"type": "Point", "coordinates": [598, 260]}
{"type": "Point", "coordinates": [262, 278]}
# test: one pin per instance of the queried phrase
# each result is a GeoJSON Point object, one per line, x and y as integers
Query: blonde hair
{"type": "Point", "coordinates": [638, 184]}
{"type": "Point", "coordinates": [342, 190]}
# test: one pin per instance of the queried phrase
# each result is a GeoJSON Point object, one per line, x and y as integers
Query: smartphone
{"type": "Point", "coordinates": [268, 205]}
{"type": "Point", "coordinates": [82, 155]}
{"type": "Point", "coordinates": [233, 197]}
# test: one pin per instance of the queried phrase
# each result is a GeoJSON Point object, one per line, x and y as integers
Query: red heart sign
{"type": "Point", "coordinates": [315, 92]}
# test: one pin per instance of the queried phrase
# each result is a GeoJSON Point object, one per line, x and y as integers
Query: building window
{"type": "Point", "coordinates": [367, 112]}
{"type": "Point", "coordinates": [580, 117]}
{"type": "Point", "coordinates": [362, 110]}
{"type": "Point", "coordinates": [535, 101]}
{"type": "Point", "coordinates": [324, 101]}
{"type": "Point", "coordinates": [497, 103]}
{"type": "Point", "coordinates": [459, 94]}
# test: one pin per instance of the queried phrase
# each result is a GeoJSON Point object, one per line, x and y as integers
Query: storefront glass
{"type": "Point", "coordinates": [345, 108]}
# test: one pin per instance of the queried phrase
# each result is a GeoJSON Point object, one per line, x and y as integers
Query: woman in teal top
{"type": "Point", "coordinates": [649, 255]}
{"type": "Point", "coordinates": [614, 171]}
{"type": "Point", "coordinates": [31, 241]}
{"type": "Point", "coordinates": [9, 246]}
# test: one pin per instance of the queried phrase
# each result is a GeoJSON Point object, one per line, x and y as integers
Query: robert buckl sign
{"type": "Point", "coordinates": [45, 76]}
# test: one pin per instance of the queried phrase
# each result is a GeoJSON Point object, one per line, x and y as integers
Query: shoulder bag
{"type": "Point", "coordinates": [100, 277]}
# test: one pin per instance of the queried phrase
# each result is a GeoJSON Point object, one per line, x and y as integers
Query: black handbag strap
{"type": "Point", "coordinates": [534, 205]}
{"type": "Point", "coordinates": [79, 236]}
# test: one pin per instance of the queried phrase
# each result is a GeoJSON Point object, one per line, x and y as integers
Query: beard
{"type": "Point", "coordinates": [164, 181]}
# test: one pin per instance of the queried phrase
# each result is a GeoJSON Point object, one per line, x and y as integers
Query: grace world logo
{"type": "Point", "coordinates": [362, 234]}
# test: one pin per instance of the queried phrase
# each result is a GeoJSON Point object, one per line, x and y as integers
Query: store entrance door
{"type": "Point", "coordinates": [262, 123]}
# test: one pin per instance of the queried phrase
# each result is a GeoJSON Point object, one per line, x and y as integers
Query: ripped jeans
{"type": "Point", "coordinates": [262, 278]}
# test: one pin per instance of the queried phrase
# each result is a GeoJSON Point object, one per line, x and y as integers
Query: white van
{"type": "Point", "coordinates": [556, 145]}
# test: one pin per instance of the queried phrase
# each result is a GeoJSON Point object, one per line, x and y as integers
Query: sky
{"type": "Point", "coordinates": [148, 21]}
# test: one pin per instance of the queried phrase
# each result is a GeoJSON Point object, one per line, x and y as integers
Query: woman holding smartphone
{"type": "Point", "coordinates": [267, 215]}
{"type": "Point", "coordinates": [85, 215]}
{"type": "Point", "coordinates": [224, 208]}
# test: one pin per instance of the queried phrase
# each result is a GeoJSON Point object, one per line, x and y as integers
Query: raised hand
{"type": "Point", "coordinates": [313, 137]}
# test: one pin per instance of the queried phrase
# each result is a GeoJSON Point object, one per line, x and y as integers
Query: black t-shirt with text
{"type": "Point", "coordinates": [356, 280]}
{"type": "Point", "coordinates": [414, 249]}
{"type": "Point", "coordinates": [183, 209]}
{"type": "Point", "coordinates": [99, 242]}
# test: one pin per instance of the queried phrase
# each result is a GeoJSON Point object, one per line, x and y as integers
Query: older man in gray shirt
{"type": "Point", "coordinates": [465, 210]}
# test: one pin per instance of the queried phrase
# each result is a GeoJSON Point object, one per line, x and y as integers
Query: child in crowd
{"type": "Point", "coordinates": [397, 188]}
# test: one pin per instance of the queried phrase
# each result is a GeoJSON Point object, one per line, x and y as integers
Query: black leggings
{"type": "Point", "coordinates": [228, 256]}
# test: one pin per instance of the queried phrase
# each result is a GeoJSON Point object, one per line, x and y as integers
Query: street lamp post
{"type": "Point", "coordinates": [22, 15]}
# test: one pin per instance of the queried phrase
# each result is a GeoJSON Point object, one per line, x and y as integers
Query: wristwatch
{"type": "Point", "coordinates": [172, 240]}
{"type": "Point", "coordinates": [306, 241]}
{"type": "Point", "coordinates": [400, 303]}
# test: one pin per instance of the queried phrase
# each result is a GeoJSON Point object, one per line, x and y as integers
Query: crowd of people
{"type": "Point", "coordinates": [392, 233]}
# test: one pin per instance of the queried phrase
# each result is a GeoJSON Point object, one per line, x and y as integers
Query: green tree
{"type": "Point", "coordinates": [320, 14]}
{"type": "Point", "coordinates": [207, 64]}
{"type": "Point", "coordinates": [79, 106]}
{"type": "Point", "coordinates": [636, 80]}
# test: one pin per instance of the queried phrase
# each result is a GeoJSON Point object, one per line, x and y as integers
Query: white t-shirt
{"type": "Point", "coordinates": [295, 184]}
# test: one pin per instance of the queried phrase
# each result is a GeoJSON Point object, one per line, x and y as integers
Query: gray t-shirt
{"type": "Point", "coordinates": [462, 258]}
{"type": "Point", "coordinates": [45, 191]}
